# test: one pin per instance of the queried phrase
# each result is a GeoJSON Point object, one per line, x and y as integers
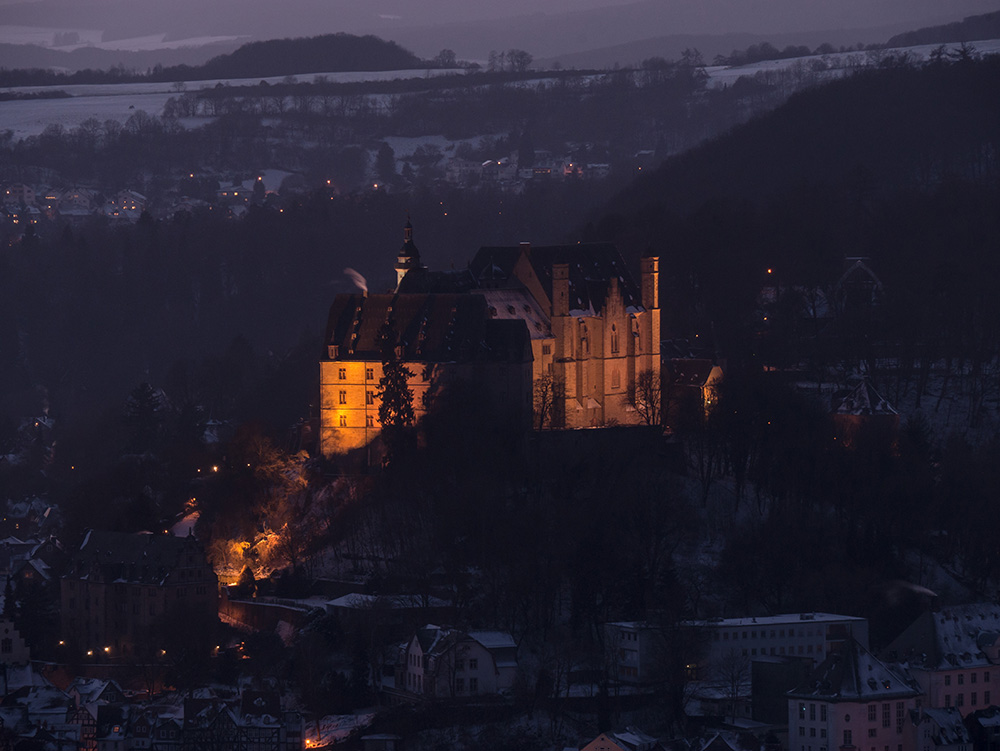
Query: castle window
{"type": "Point", "coordinates": [614, 340]}
{"type": "Point", "coordinates": [369, 397]}
{"type": "Point", "coordinates": [369, 374]}
{"type": "Point", "coordinates": [343, 421]}
{"type": "Point", "coordinates": [342, 397]}
{"type": "Point", "coordinates": [615, 379]}
{"type": "Point", "coordinates": [370, 421]}
{"type": "Point", "coordinates": [546, 349]}
{"type": "Point", "coordinates": [342, 374]}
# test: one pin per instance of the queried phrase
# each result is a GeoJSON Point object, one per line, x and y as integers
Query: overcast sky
{"type": "Point", "coordinates": [473, 27]}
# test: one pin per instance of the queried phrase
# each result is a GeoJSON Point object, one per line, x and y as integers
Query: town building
{"type": "Point", "coordinates": [941, 730]}
{"type": "Point", "coordinates": [440, 662]}
{"type": "Point", "coordinates": [635, 652]}
{"type": "Point", "coordinates": [120, 592]}
{"type": "Point", "coordinates": [13, 649]}
{"type": "Point", "coordinates": [852, 700]}
{"type": "Point", "coordinates": [954, 655]}
{"type": "Point", "coordinates": [809, 635]}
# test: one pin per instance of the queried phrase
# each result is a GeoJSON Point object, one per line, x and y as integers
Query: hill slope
{"type": "Point", "coordinates": [986, 26]}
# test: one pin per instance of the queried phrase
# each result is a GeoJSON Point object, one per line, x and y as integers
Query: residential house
{"type": "Point", "coordinates": [13, 649]}
{"type": "Point", "coordinates": [984, 728]}
{"type": "Point", "coordinates": [691, 384]}
{"type": "Point", "coordinates": [862, 408]}
{"type": "Point", "coordinates": [941, 730]}
{"type": "Point", "coordinates": [635, 652]}
{"type": "Point", "coordinates": [852, 700]}
{"type": "Point", "coordinates": [630, 739]}
{"type": "Point", "coordinates": [954, 655]}
{"type": "Point", "coordinates": [442, 662]}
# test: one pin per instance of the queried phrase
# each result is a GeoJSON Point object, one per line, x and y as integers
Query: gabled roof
{"type": "Point", "coordinates": [863, 399]}
{"type": "Point", "coordinates": [429, 328]}
{"type": "Point", "coordinates": [109, 556]}
{"type": "Point", "coordinates": [853, 674]}
{"type": "Point", "coordinates": [690, 372]}
{"type": "Point", "coordinates": [951, 729]}
{"type": "Point", "coordinates": [952, 639]}
{"type": "Point", "coordinates": [592, 266]}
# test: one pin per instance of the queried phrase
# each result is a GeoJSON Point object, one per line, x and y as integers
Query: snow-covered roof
{"type": "Point", "coordinates": [863, 399]}
{"type": "Point", "coordinates": [952, 639]}
{"type": "Point", "coordinates": [853, 674]}
{"type": "Point", "coordinates": [784, 619]}
{"type": "Point", "coordinates": [950, 727]}
{"type": "Point", "coordinates": [494, 639]}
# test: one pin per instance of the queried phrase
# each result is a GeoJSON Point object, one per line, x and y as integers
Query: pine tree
{"type": "Point", "coordinates": [395, 409]}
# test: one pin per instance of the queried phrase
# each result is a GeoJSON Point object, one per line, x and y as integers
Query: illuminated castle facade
{"type": "Point", "coordinates": [562, 330]}
{"type": "Point", "coordinates": [593, 331]}
{"type": "Point", "coordinates": [443, 339]}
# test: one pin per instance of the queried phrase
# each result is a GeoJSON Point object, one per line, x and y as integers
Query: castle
{"type": "Point", "coordinates": [553, 336]}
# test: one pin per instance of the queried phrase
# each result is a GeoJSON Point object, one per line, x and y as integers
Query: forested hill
{"type": "Point", "coordinates": [321, 54]}
{"type": "Point", "coordinates": [986, 26]}
{"type": "Point", "coordinates": [898, 127]}
{"type": "Point", "coordinates": [896, 164]}
{"type": "Point", "coordinates": [330, 53]}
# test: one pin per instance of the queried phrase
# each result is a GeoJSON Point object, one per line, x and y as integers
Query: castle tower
{"type": "Point", "coordinates": [409, 256]}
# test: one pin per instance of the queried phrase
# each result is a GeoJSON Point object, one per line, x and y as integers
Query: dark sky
{"type": "Point", "coordinates": [473, 27]}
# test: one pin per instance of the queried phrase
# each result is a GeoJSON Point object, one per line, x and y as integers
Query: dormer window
{"type": "Point", "coordinates": [334, 351]}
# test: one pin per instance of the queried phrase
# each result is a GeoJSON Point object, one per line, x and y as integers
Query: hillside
{"type": "Point", "coordinates": [330, 52]}
{"type": "Point", "coordinates": [897, 165]}
{"type": "Point", "coordinates": [986, 26]}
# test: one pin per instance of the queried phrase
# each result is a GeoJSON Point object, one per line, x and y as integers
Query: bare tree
{"type": "Point", "coordinates": [549, 402]}
{"type": "Point", "coordinates": [646, 396]}
{"type": "Point", "coordinates": [732, 673]}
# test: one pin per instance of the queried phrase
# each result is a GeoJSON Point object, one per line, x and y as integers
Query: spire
{"type": "Point", "coordinates": [409, 256]}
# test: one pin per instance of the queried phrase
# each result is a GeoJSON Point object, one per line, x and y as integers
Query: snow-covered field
{"type": "Point", "coordinates": [121, 101]}
{"type": "Point", "coordinates": [837, 62]}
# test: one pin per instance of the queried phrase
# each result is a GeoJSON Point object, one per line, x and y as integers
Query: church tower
{"type": "Point", "coordinates": [409, 256]}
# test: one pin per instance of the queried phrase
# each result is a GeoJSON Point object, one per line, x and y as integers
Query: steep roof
{"type": "Point", "coordinates": [954, 638]}
{"type": "Point", "coordinates": [853, 674]}
{"type": "Point", "coordinates": [592, 266]}
{"type": "Point", "coordinates": [948, 720]}
{"type": "Point", "coordinates": [863, 399]}
{"type": "Point", "coordinates": [429, 327]}
{"type": "Point", "coordinates": [109, 556]}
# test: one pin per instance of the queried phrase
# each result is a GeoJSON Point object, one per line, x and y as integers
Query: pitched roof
{"type": "Point", "coordinates": [951, 728]}
{"type": "Point", "coordinates": [863, 399]}
{"type": "Point", "coordinates": [592, 266]}
{"type": "Point", "coordinates": [690, 372]}
{"type": "Point", "coordinates": [429, 327]}
{"type": "Point", "coordinates": [954, 638]}
{"type": "Point", "coordinates": [853, 674]}
{"type": "Point", "coordinates": [109, 556]}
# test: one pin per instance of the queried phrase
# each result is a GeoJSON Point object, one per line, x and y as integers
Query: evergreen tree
{"type": "Point", "coordinates": [395, 410]}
